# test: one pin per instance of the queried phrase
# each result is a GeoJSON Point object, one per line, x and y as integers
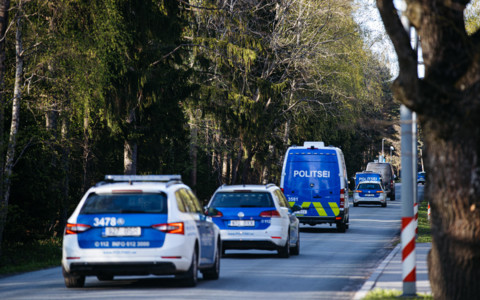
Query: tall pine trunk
{"type": "Point", "coordinates": [4, 8]}
{"type": "Point", "coordinates": [86, 151]}
{"type": "Point", "coordinates": [65, 165]}
{"type": "Point", "coordinates": [130, 148]}
{"type": "Point", "coordinates": [12, 141]}
{"type": "Point", "coordinates": [193, 150]}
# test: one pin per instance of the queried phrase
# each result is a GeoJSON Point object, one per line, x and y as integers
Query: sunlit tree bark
{"type": "Point", "coordinates": [447, 101]}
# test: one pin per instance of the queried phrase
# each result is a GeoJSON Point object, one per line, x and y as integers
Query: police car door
{"type": "Point", "coordinates": [205, 228]}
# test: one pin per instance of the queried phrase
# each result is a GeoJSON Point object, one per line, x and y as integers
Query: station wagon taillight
{"type": "Point", "coordinates": [270, 214]}
{"type": "Point", "coordinates": [76, 228]}
{"type": "Point", "coordinates": [175, 228]}
{"type": "Point", "coordinates": [214, 214]}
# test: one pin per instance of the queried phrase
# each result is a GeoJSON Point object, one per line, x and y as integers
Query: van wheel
{"type": "Point", "coordinates": [384, 204]}
{"type": "Point", "coordinates": [355, 204]}
{"type": "Point", "coordinates": [73, 281]}
{"type": "Point", "coordinates": [341, 227]}
{"type": "Point", "coordinates": [284, 252]}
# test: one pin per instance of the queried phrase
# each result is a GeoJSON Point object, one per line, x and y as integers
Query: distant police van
{"type": "Point", "coordinates": [315, 178]}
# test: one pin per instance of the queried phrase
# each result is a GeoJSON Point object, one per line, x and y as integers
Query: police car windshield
{"type": "Point", "coordinates": [250, 199]}
{"type": "Point", "coordinates": [125, 203]}
{"type": "Point", "coordinates": [369, 186]}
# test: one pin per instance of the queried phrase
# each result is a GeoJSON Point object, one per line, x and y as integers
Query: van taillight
{"type": "Point", "coordinates": [342, 198]}
{"type": "Point", "coordinates": [270, 214]}
{"type": "Point", "coordinates": [76, 228]}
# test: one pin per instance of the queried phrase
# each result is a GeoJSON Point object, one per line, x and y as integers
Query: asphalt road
{"type": "Point", "coordinates": [331, 265]}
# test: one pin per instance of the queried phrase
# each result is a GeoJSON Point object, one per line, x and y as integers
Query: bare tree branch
{"type": "Point", "coordinates": [407, 57]}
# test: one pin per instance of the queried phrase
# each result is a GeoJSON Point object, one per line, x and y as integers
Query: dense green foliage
{"type": "Point", "coordinates": [30, 256]}
{"type": "Point", "coordinates": [212, 90]}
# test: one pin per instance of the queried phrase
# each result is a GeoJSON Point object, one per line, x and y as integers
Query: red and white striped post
{"type": "Point", "coordinates": [415, 213]}
{"type": "Point", "coordinates": [409, 179]}
{"type": "Point", "coordinates": [408, 251]}
{"type": "Point", "coordinates": [408, 217]}
{"type": "Point", "coordinates": [428, 211]}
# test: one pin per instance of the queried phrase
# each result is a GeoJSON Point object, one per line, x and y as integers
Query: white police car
{"type": "Point", "coordinates": [140, 225]}
{"type": "Point", "coordinates": [255, 217]}
{"type": "Point", "coordinates": [370, 192]}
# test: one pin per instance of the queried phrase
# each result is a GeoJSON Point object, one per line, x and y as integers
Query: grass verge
{"type": "Point", "coordinates": [424, 229]}
{"type": "Point", "coordinates": [31, 256]}
{"type": "Point", "coordinates": [378, 294]}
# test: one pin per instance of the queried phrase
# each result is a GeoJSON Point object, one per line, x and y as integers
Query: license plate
{"type": "Point", "coordinates": [123, 231]}
{"type": "Point", "coordinates": [369, 195]}
{"type": "Point", "coordinates": [241, 223]}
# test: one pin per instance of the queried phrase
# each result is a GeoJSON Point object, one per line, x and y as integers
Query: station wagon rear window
{"type": "Point", "coordinates": [369, 186]}
{"type": "Point", "coordinates": [125, 203]}
{"type": "Point", "coordinates": [251, 199]}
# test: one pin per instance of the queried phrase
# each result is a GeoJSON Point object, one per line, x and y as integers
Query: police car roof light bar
{"type": "Point", "coordinates": [144, 178]}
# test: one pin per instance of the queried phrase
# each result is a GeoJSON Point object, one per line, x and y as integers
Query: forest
{"type": "Point", "coordinates": [214, 90]}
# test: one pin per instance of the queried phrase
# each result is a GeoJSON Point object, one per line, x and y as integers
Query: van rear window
{"type": "Point", "coordinates": [240, 199]}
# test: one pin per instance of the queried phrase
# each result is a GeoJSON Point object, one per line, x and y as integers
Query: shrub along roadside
{"type": "Point", "coordinates": [30, 256]}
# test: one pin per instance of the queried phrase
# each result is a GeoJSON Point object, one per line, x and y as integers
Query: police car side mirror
{"type": "Point", "coordinates": [209, 211]}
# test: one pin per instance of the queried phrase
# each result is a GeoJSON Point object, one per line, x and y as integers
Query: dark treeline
{"type": "Point", "coordinates": [214, 90]}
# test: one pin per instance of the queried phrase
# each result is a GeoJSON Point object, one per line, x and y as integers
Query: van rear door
{"type": "Point", "coordinates": [312, 181]}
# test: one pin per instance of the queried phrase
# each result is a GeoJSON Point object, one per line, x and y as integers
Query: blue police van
{"type": "Point", "coordinates": [314, 177]}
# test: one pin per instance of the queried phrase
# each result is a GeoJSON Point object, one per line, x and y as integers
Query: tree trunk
{"type": "Point", "coordinates": [65, 164]}
{"type": "Point", "coordinates": [130, 157]}
{"type": "Point", "coordinates": [10, 155]}
{"type": "Point", "coordinates": [237, 163]}
{"type": "Point", "coordinates": [226, 162]}
{"type": "Point", "coordinates": [193, 151]}
{"type": "Point", "coordinates": [4, 8]}
{"type": "Point", "coordinates": [130, 149]}
{"type": "Point", "coordinates": [86, 152]}
{"type": "Point", "coordinates": [447, 102]}
{"type": "Point", "coordinates": [246, 167]}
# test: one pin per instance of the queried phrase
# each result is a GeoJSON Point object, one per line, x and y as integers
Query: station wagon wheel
{"type": "Point", "coordinates": [296, 249]}
{"type": "Point", "coordinates": [73, 281]}
{"type": "Point", "coordinates": [284, 252]}
{"type": "Point", "coordinates": [213, 273]}
{"type": "Point", "coordinates": [190, 278]}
